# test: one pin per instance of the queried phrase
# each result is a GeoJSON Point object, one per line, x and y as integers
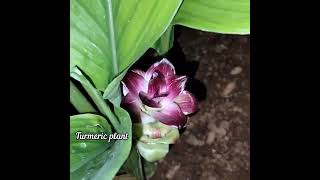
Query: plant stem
{"type": "Point", "coordinates": [133, 165]}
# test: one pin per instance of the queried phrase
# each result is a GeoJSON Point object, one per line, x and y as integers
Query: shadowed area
{"type": "Point", "coordinates": [216, 143]}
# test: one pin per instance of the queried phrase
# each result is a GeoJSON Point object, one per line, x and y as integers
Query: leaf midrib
{"type": "Point", "coordinates": [112, 38]}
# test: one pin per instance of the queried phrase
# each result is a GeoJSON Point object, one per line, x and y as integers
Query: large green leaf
{"type": "Point", "coordinates": [165, 42]}
{"type": "Point", "coordinates": [108, 163]}
{"type": "Point", "coordinates": [108, 35]}
{"type": "Point", "coordinates": [105, 165]}
{"type": "Point", "coordinates": [82, 151]}
{"type": "Point", "coordinates": [221, 16]}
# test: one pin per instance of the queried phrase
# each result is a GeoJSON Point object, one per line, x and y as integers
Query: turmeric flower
{"type": "Point", "coordinates": [158, 95]}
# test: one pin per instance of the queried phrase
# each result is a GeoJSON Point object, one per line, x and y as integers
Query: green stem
{"type": "Point", "coordinates": [133, 165]}
{"type": "Point", "coordinates": [97, 99]}
{"type": "Point", "coordinates": [79, 101]}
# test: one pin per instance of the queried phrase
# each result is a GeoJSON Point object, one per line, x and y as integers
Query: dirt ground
{"type": "Point", "coordinates": [216, 143]}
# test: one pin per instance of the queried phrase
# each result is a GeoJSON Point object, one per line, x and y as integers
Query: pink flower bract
{"type": "Point", "coordinates": [158, 94]}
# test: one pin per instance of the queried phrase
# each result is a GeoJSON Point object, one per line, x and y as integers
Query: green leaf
{"type": "Point", "coordinates": [113, 91]}
{"type": "Point", "coordinates": [133, 164]}
{"type": "Point", "coordinates": [107, 164]}
{"type": "Point", "coordinates": [220, 16]}
{"type": "Point", "coordinates": [109, 35]}
{"type": "Point", "coordinates": [96, 97]}
{"type": "Point", "coordinates": [149, 168]}
{"type": "Point", "coordinates": [82, 151]}
{"type": "Point", "coordinates": [165, 42]}
{"type": "Point", "coordinates": [79, 101]}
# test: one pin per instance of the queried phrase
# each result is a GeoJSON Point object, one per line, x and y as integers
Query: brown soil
{"type": "Point", "coordinates": [216, 143]}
